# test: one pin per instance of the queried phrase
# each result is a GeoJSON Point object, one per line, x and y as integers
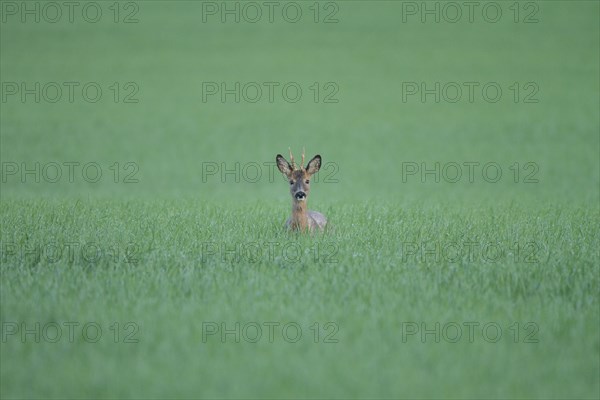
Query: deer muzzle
{"type": "Point", "coordinates": [300, 196]}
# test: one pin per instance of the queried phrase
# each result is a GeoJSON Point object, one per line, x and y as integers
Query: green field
{"type": "Point", "coordinates": [143, 253]}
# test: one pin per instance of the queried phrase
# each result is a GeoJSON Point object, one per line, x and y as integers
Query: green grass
{"type": "Point", "coordinates": [165, 261]}
{"type": "Point", "coordinates": [361, 279]}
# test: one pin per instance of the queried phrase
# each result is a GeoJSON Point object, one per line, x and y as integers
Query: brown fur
{"type": "Point", "coordinates": [302, 219]}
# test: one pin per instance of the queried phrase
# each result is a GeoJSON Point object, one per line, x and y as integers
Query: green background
{"type": "Point", "coordinates": [360, 276]}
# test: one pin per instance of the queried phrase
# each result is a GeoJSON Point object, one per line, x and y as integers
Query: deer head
{"type": "Point", "coordinates": [298, 177]}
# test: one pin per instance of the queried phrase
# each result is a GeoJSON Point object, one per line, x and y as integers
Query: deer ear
{"type": "Point", "coordinates": [283, 165]}
{"type": "Point", "coordinates": [314, 165]}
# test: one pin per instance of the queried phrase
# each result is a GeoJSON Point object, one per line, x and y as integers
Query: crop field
{"type": "Point", "coordinates": [142, 241]}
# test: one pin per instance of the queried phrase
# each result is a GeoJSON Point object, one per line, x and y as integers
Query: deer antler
{"type": "Point", "coordinates": [292, 159]}
{"type": "Point", "coordinates": [294, 167]}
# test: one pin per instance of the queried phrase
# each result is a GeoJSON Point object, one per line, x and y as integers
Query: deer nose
{"type": "Point", "coordinates": [300, 195]}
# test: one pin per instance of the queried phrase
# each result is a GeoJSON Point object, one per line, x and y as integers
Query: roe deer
{"type": "Point", "coordinates": [299, 178]}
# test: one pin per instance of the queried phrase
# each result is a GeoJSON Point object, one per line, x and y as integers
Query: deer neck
{"type": "Point", "coordinates": [299, 215]}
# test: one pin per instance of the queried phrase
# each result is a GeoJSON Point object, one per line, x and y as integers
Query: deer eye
{"type": "Point", "coordinates": [307, 181]}
{"type": "Point", "coordinates": [291, 182]}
